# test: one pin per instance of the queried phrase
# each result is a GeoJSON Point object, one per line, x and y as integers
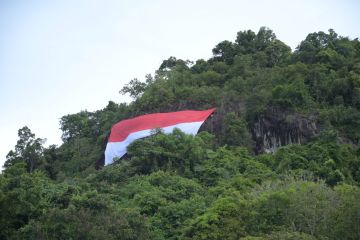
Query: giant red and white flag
{"type": "Point", "coordinates": [125, 132]}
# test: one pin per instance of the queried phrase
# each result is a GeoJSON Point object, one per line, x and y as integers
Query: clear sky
{"type": "Point", "coordinates": [61, 57]}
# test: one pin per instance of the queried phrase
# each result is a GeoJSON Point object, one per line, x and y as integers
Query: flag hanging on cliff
{"type": "Point", "coordinates": [125, 132]}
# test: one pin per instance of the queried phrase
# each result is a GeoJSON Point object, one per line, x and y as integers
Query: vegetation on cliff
{"type": "Point", "coordinates": [280, 159]}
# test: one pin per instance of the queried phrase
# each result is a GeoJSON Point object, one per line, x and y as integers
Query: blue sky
{"type": "Point", "coordinates": [61, 57]}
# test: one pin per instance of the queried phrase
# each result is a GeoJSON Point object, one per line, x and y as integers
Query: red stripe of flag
{"type": "Point", "coordinates": [122, 129]}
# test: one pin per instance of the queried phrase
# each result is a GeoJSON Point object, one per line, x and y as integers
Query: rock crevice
{"type": "Point", "coordinates": [277, 127]}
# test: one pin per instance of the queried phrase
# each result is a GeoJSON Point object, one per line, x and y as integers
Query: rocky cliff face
{"type": "Point", "coordinates": [277, 127]}
{"type": "Point", "coordinates": [274, 128]}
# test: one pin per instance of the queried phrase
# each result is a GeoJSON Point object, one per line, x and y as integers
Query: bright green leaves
{"type": "Point", "coordinates": [224, 219]}
{"type": "Point", "coordinates": [236, 132]}
{"type": "Point", "coordinates": [23, 197]}
{"type": "Point", "coordinates": [176, 152]}
{"type": "Point", "coordinates": [327, 161]}
{"type": "Point", "coordinates": [167, 199]}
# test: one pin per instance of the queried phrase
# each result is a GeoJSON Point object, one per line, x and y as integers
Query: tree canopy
{"type": "Point", "coordinates": [280, 158]}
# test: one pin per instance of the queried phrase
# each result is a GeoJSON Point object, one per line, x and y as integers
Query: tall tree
{"type": "Point", "coordinates": [28, 149]}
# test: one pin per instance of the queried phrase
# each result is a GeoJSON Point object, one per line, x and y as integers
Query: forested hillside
{"type": "Point", "coordinates": [280, 158]}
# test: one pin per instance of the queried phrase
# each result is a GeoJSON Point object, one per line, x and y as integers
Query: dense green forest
{"type": "Point", "coordinates": [280, 158]}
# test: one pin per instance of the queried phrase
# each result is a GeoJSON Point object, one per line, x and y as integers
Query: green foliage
{"type": "Point", "coordinates": [284, 235]}
{"type": "Point", "coordinates": [289, 96]}
{"type": "Point", "coordinates": [167, 199]}
{"type": "Point", "coordinates": [28, 149]}
{"type": "Point", "coordinates": [236, 132]}
{"type": "Point", "coordinates": [135, 88]}
{"type": "Point", "coordinates": [225, 51]}
{"type": "Point", "coordinates": [348, 221]}
{"type": "Point", "coordinates": [23, 197]}
{"type": "Point", "coordinates": [176, 152]}
{"type": "Point", "coordinates": [217, 184]}
{"type": "Point", "coordinates": [83, 223]}
{"type": "Point", "coordinates": [327, 161]}
{"type": "Point", "coordinates": [224, 219]}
